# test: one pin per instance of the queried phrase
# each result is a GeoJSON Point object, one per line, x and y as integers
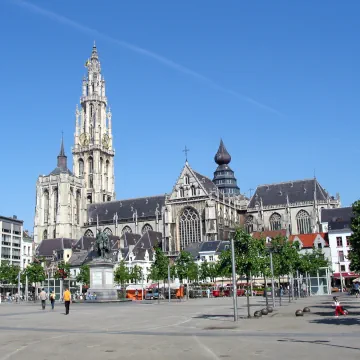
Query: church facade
{"type": "Point", "coordinates": [72, 204]}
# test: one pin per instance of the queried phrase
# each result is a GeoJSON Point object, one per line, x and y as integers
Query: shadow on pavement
{"type": "Point", "coordinates": [337, 321]}
{"type": "Point", "coordinates": [319, 342]}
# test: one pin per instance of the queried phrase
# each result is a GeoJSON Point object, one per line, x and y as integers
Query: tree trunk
{"type": "Point", "coordinates": [248, 297]}
{"type": "Point", "coordinates": [280, 291]}
{"type": "Point", "coordinates": [289, 288]}
{"type": "Point", "coordinates": [158, 291]}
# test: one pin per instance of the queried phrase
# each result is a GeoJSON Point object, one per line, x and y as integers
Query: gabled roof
{"type": "Point", "coordinates": [145, 207]}
{"type": "Point", "coordinates": [205, 182]}
{"type": "Point", "coordinates": [78, 257]}
{"type": "Point", "coordinates": [337, 214]}
{"type": "Point", "coordinates": [268, 233]}
{"type": "Point", "coordinates": [297, 191]}
{"type": "Point", "coordinates": [307, 240]}
{"type": "Point", "coordinates": [130, 239]}
{"type": "Point", "coordinates": [209, 246]}
{"type": "Point", "coordinates": [47, 247]}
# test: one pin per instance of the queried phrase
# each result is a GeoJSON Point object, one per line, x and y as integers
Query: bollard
{"type": "Point", "coordinates": [264, 311]}
{"type": "Point", "coordinates": [299, 313]}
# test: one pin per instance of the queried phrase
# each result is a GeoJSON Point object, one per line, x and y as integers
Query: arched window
{"type": "Point", "coordinates": [303, 222]}
{"type": "Point", "coordinates": [193, 191]}
{"type": "Point", "coordinates": [91, 170]}
{"type": "Point", "coordinates": [186, 179]}
{"type": "Point", "coordinates": [249, 224]}
{"type": "Point", "coordinates": [46, 207]}
{"type": "Point", "coordinates": [181, 192]}
{"type": "Point", "coordinates": [45, 235]}
{"type": "Point", "coordinates": [78, 198]}
{"type": "Point", "coordinates": [275, 221]}
{"type": "Point", "coordinates": [126, 229]}
{"type": "Point", "coordinates": [101, 172]}
{"type": "Point", "coordinates": [56, 199]}
{"type": "Point", "coordinates": [89, 199]}
{"type": "Point", "coordinates": [54, 234]}
{"type": "Point", "coordinates": [81, 167]}
{"type": "Point", "coordinates": [89, 233]}
{"type": "Point", "coordinates": [108, 231]}
{"type": "Point", "coordinates": [189, 227]}
{"type": "Point", "coordinates": [146, 228]}
{"type": "Point", "coordinates": [107, 167]}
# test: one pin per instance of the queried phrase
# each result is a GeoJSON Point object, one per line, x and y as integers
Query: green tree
{"type": "Point", "coordinates": [248, 259]}
{"type": "Point", "coordinates": [159, 268]}
{"type": "Point", "coordinates": [9, 273]}
{"type": "Point", "coordinates": [182, 265]}
{"type": "Point", "coordinates": [213, 271]}
{"type": "Point", "coordinates": [354, 252]}
{"type": "Point", "coordinates": [35, 273]}
{"type": "Point", "coordinates": [63, 270]}
{"type": "Point", "coordinates": [135, 274]}
{"type": "Point", "coordinates": [193, 271]}
{"type": "Point", "coordinates": [84, 275]}
{"type": "Point", "coordinates": [121, 274]}
{"type": "Point", "coordinates": [204, 271]}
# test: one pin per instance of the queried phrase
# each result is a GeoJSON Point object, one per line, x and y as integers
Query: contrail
{"type": "Point", "coordinates": [161, 59]}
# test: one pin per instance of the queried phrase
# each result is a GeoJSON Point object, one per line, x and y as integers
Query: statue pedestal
{"type": "Point", "coordinates": [102, 279]}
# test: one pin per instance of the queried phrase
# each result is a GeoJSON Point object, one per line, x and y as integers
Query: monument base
{"type": "Point", "coordinates": [102, 280]}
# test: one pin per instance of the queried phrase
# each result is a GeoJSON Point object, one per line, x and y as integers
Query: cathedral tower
{"type": "Point", "coordinates": [93, 153]}
{"type": "Point", "coordinates": [224, 177]}
{"type": "Point", "coordinates": [60, 203]}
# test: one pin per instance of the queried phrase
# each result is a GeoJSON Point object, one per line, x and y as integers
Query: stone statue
{"type": "Point", "coordinates": [102, 245]}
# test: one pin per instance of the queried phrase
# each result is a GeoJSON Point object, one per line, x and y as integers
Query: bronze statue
{"type": "Point", "coordinates": [102, 244]}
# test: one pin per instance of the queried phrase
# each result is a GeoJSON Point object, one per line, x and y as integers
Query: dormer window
{"type": "Point", "coordinates": [186, 180]}
{"type": "Point", "coordinates": [193, 191]}
{"type": "Point", "coordinates": [181, 192]}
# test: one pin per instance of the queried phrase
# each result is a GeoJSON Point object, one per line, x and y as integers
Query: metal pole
{"type": "Point", "coordinates": [142, 286]}
{"type": "Point", "coordinates": [272, 279]}
{"type": "Point", "coordinates": [19, 287]}
{"type": "Point", "coordinates": [169, 290]}
{"type": "Point", "coordinates": [234, 280]}
{"type": "Point", "coordinates": [26, 288]}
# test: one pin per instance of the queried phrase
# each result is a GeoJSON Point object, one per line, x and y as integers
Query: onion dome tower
{"type": "Point", "coordinates": [224, 177]}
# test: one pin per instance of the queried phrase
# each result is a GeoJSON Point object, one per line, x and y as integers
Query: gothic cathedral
{"type": "Point", "coordinates": [62, 196]}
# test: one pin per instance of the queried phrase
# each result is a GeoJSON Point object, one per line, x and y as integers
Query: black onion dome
{"type": "Point", "coordinates": [222, 157]}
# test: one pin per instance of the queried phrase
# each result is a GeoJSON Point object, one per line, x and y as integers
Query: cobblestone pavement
{"type": "Point", "coordinates": [195, 329]}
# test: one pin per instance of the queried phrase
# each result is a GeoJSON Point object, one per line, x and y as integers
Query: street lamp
{"type": "Point", "coordinates": [234, 280]}
{"type": "Point", "coordinates": [270, 249]}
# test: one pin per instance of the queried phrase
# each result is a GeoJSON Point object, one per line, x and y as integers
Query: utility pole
{"type": "Point", "coordinates": [169, 290]}
{"type": "Point", "coordinates": [272, 279]}
{"type": "Point", "coordinates": [234, 280]}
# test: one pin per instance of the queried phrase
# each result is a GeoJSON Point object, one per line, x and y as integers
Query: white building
{"type": "Point", "coordinates": [11, 230]}
{"type": "Point", "coordinates": [27, 250]}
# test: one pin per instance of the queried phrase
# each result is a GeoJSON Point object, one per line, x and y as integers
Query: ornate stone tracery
{"type": "Point", "coordinates": [189, 227]}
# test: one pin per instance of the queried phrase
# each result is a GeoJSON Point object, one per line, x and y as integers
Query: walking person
{"type": "Point", "coordinates": [43, 298]}
{"type": "Point", "coordinates": [52, 300]}
{"type": "Point", "coordinates": [338, 307]}
{"type": "Point", "coordinates": [67, 299]}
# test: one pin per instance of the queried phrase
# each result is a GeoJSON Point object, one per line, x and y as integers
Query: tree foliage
{"type": "Point", "coordinates": [159, 268]}
{"type": "Point", "coordinates": [354, 253]}
{"type": "Point", "coordinates": [63, 270]}
{"type": "Point", "coordinates": [9, 273]}
{"type": "Point", "coordinates": [135, 274]}
{"type": "Point", "coordinates": [84, 275]}
{"type": "Point", "coordinates": [35, 272]}
{"type": "Point", "coordinates": [184, 266]}
{"type": "Point", "coordinates": [121, 274]}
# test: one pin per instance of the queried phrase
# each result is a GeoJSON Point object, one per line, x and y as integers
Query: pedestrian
{"type": "Point", "coordinates": [356, 289]}
{"type": "Point", "coordinates": [338, 307]}
{"type": "Point", "coordinates": [208, 292]}
{"type": "Point", "coordinates": [52, 300]}
{"type": "Point", "coordinates": [43, 298]}
{"type": "Point", "coordinates": [67, 299]}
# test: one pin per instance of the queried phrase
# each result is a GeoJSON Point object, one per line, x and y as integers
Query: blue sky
{"type": "Point", "coordinates": [278, 81]}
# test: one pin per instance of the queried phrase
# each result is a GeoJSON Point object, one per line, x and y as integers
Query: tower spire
{"type": "Point", "coordinates": [222, 156]}
{"type": "Point", "coordinates": [62, 151]}
{"type": "Point", "coordinates": [62, 158]}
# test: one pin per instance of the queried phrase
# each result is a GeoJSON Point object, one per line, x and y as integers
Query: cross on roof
{"type": "Point", "coordinates": [186, 150]}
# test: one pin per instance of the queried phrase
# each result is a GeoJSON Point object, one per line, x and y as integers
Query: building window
{"type": "Point", "coordinates": [46, 207]}
{"type": "Point", "coordinates": [181, 192]}
{"type": "Point", "coordinates": [339, 241]}
{"type": "Point", "coordinates": [78, 199]}
{"type": "Point", "coordinates": [203, 258]}
{"type": "Point", "coordinates": [89, 233]}
{"type": "Point", "coordinates": [108, 231]}
{"type": "Point", "coordinates": [186, 180]}
{"type": "Point", "coordinates": [275, 221]}
{"type": "Point", "coordinates": [29, 252]}
{"type": "Point", "coordinates": [319, 245]}
{"type": "Point", "coordinates": [193, 191]}
{"type": "Point", "coordinates": [211, 258]}
{"type": "Point", "coordinates": [45, 235]}
{"type": "Point", "coordinates": [249, 224]}
{"type": "Point", "coordinates": [303, 222]}
{"type": "Point", "coordinates": [146, 228]}
{"type": "Point", "coordinates": [189, 227]}
{"type": "Point", "coordinates": [341, 256]}
{"type": "Point", "coordinates": [126, 229]}
{"type": "Point", "coordinates": [55, 203]}
{"type": "Point", "coordinates": [342, 267]}
{"type": "Point", "coordinates": [81, 167]}
{"type": "Point", "coordinates": [348, 241]}
{"type": "Point", "coordinates": [24, 250]}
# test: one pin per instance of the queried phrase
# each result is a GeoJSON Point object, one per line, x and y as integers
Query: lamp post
{"type": "Point", "coordinates": [169, 291]}
{"type": "Point", "coordinates": [272, 277]}
{"type": "Point", "coordinates": [234, 280]}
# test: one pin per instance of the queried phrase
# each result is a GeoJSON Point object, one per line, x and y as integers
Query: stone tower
{"type": "Point", "coordinates": [60, 203]}
{"type": "Point", "coordinates": [224, 177]}
{"type": "Point", "coordinates": [93, 153]}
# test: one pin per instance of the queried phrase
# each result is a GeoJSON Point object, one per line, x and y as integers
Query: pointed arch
{"type": "Point", "coordinates": [193, 190]}
{"type": "Point", "coordinates": [108, 231]}
{"type": "Point", "coordinates": [146, 228]}
{"type": "Point", "coordinates": [275, 221]}
{"type": "Point", "coordinates": [45, 235]}
{"type": "Point", "coordinates": [189, 227]}
{"type": "Point", "coordinates": [303, 222]}
{"type": "Point", "coordinates": [46, 206]}
{"type": "Point", "coordinates": [126, 229]}
{"type": "Point", "coordinates": [89, 233]}
{"type": "Point", "coordinates": [81, 167]}
{"type": "Point", "coordinates": [249, 224]}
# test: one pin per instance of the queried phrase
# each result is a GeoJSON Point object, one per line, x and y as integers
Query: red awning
{"type": "Point", "coordinates": [345, 275]}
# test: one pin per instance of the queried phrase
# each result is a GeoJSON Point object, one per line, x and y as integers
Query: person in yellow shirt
{"type": "Point", "coordinates": [67, 299]}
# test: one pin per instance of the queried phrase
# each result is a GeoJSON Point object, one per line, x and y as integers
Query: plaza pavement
{"type": "Point", "coordinates": [195, 329]}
